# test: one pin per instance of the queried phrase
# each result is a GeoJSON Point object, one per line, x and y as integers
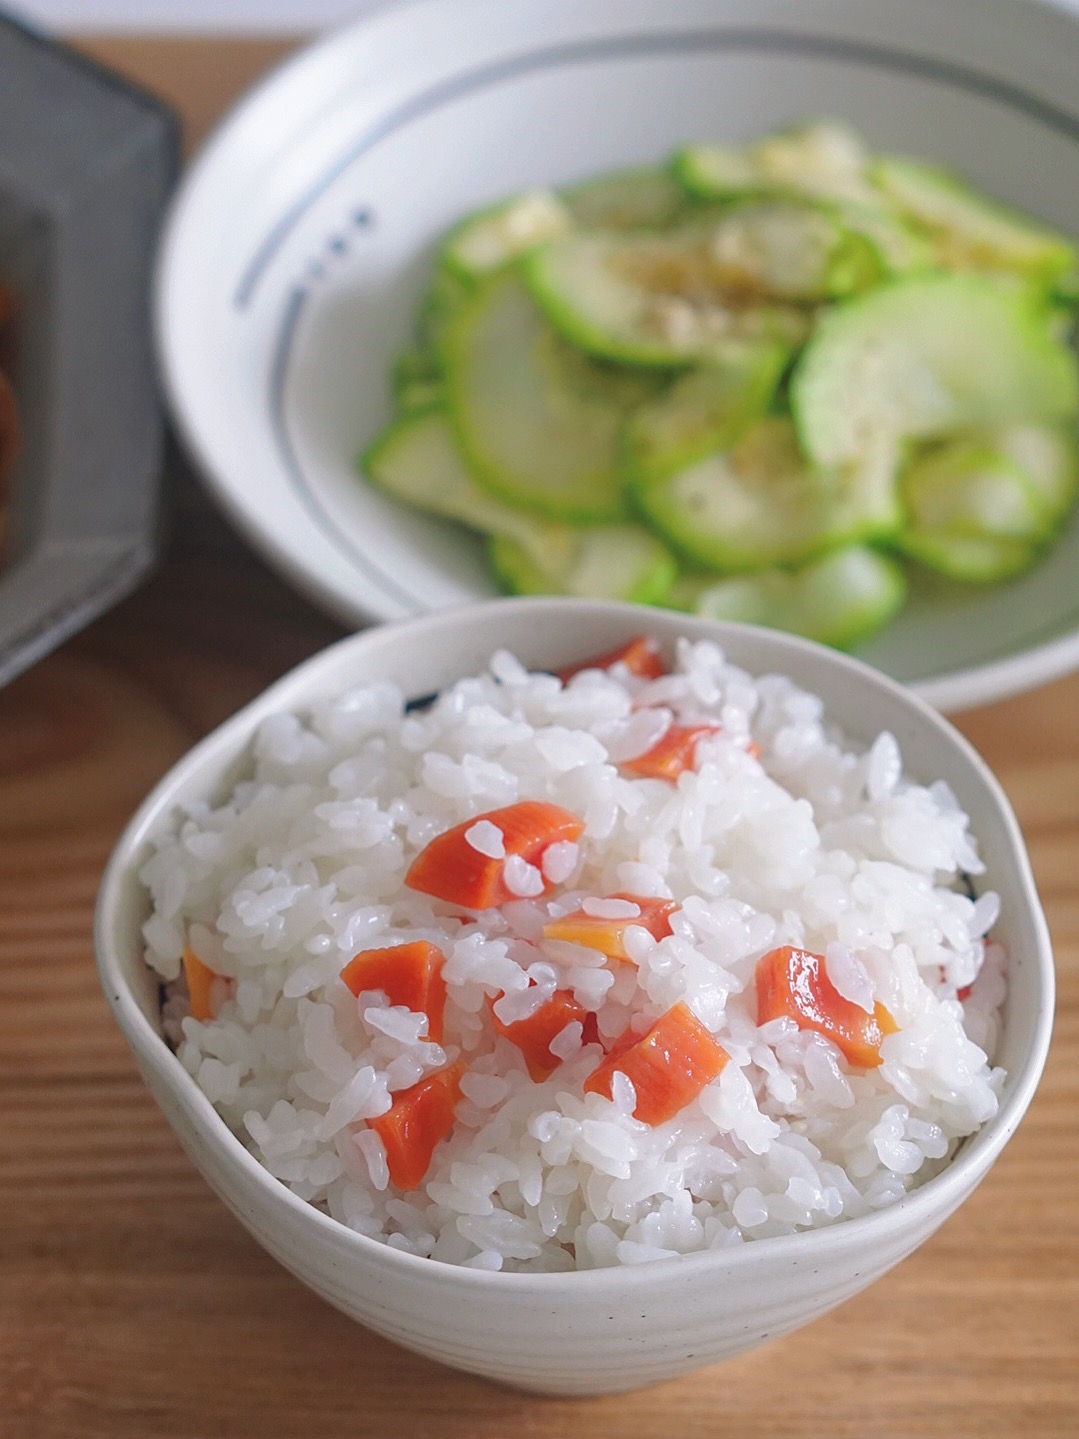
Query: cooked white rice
{"type": "Point", "coordinates": [814, 844]}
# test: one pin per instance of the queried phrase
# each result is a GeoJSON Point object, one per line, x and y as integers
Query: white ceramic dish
{"type": "Point", "coordinates": [301, 239]}
{"type": "Point", "coordinates": [609, 1329]}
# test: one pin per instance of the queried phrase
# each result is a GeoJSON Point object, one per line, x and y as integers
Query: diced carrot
{"type": "Point", "coordinates": [408, 974]}
{"type": "Point", "coordinates": [450, 868]}
{"type": "Point", "coordinates": [964, 993]}
{"type": "Point", "coordinates": [200, 979]}
{"type": "Point", "coordinates": [671, 755]}
{"type": "Point", "coordinates": [533, 1035]}
{"type": "Point", "coordinates": [417, 1121]}
{"type": "Point", "coordinates": [795, 983]}
{"type": "Point", "coordinates": [609, 935]}
{"type": "Point", "coordinates": [640, 656]}
{"type": "Point", "coordinates": [668, 1067]}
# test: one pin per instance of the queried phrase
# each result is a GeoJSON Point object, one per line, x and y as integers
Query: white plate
{"type": "Point", "coordinates": [300, 241]}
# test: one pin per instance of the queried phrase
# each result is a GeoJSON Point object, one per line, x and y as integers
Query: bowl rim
{"type": "Point", "coordinates": [938, 1196]}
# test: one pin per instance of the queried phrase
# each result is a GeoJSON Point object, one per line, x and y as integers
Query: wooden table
{"type": "Point", "coordinates": [132, 1304]}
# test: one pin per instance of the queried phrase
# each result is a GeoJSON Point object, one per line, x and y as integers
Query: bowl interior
{"type": "Point", "coordinates": [309, 226]}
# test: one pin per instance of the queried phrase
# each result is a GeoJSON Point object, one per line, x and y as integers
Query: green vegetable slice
{"type": "Point", "coordinates": [611, 562]}
{"type": "Point", "coordinates": [1048, 456]}
{"type": "Point", "coordinates": [491, 238]}
{"type": "Point", "coordinates": [968, 229]}
{"type": "Point", "coordinates": [641, 199]}
{"type": "Point", "coordinates": [672, 297]}
{"type": "Point", "coordinates": [901, 248]}
{"type": "Point", "coordinates": [759, 504]}
{"type": "Point", "coordinates": [824, 160]}
{"type": "Point", "coordinates": [925, 356]}
{"type": "Point", "coordinates": [973, 513]}
{"type": "Point", "coordinates": [703, 410]}
{"type": "Point", "coordinates": [971, 560]}
{"type": "Point", "coordinates": [840, 599]}
{"type": "Point", "coordinates": [416, 461]}
{"type": "Point", "coordinates": [539, 423]}
{"type": "Point", "coordinates": [966, 489]}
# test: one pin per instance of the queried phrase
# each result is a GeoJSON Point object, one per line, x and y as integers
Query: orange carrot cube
{"type": "Point", "coordinates": [408, 974]}
{"type": "Point", "coordinates": [533, 1035]}
{"type": "Point", "coordinates": [795, 983]}
{"type": "Point", "coordinates": [453, 869]}
{"type": "Point", "coordinates": [671, 755]}
{"type": "Point", "coordinates": [640, 656]}
{"type": "Point", "coordinates": [608, 935]}
{"type": "Point", "coordinates": [416, 1123]}
{"type": "Point", "coordinates": [200, 980]}
{"type": "Point", "coordinates": [668, 1066]}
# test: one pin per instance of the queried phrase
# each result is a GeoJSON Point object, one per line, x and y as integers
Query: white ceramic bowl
{"type": "Point", "coordinates": [610, 1329]}
{"type": "Point", "coordinates": [302, 237]}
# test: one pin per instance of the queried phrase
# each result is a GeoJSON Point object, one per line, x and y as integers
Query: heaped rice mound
{"type": "Point", "coordinates": [700, 971]}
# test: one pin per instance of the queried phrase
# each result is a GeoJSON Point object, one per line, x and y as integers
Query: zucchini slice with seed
{"type": "Point", "coordinates": [966, 489]}
{"type": "Point", "coordinates": [539, 423]}
{"type": "Point", "coordinates": [971, 560]}
{"type": "Point", "coordinates": [643, 199]}
{"type": "Point", "coordinates": [926, 356]}
{"type": "Point", "coordinates": [760, 504]}
{"type": "Point", "coordinates": [1048, 456]}
{"type": "Point", "coordinates": [840, 599]}
{"type": "Point", "coordinates": [416, 462]}
{"type": "Point", "coordinates": [824, 160]}
{"type": "Point", "coordinates": [600, 562]}
{"type": "Point", "coordinates": [968, 229]}
{"type": "Point", "coordinates": [901, 248]}
{"type": "Point", "coordinates": [486, 241]}
{"type": "Point", "coordinates": [672, 297]}
{"type": "Point", "coordinates": [704, 410]}
{"type": "Point", "coordinates": [973, 513]}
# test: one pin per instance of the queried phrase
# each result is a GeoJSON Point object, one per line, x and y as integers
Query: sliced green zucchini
{"type": "Point", "coordinates": [840, 599]}
{"type": "Point", "coordinates": [760, 504]}
{"type": "Point", "coordinates": [681, 295]}
{"type": "Point", "coordinates": [703, 410]}
{"type": "Point", "coordinates": [610, 562]}
{"type": "Point", "coordinates": [824, 159]}
{"type": "Point", "coordinates": [416, 461]}
{"type": "Point", "coordinates": [486, 241]}
{"type": "Point", "coordinates": [644, 199]}
{"type": "Point", "coordinates": [964, 488]}
{"type": "Point", "coordinates": [789, 250]}
{"type": "Point", "coordinates": [971, 560]}
{"type": "Point", "coordinates": [970, 230]}
{"type": "Point", "coordinates": [539, 422]}
{"type": "Point", "coordinates": [925, 356]}
{"type": "Point", "coordinates": [720, 172]}
{"type": "Point", "coordinates": [902, 249]}
{"type": "Point", "coordinates": [972, 513]}
{"type": "Point", "coordinates": [1049, 457]}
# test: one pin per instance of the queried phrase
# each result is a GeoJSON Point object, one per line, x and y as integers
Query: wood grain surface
{"type": "Point", "coordinates": [132, 1304]}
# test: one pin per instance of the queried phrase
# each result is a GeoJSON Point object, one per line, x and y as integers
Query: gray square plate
{"type": "Point", "coordinates": [86, 166]}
